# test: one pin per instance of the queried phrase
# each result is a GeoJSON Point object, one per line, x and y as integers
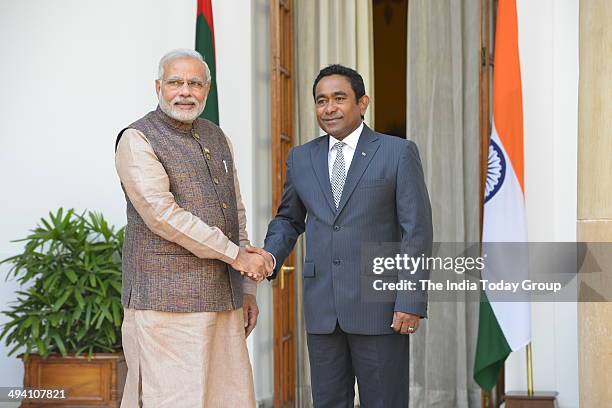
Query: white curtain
{"type": "Point", "coordinates": [443, 118]}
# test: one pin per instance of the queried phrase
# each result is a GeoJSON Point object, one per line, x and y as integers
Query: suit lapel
{"type": "Point", "coordinates": [319, 159]}
{"type": "Point", "coordinates": [366, 148]}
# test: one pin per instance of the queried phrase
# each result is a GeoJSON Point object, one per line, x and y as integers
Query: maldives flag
{"type": "Point", "coordinates": [504, 326]}
{"type": "Point", "coordinates": [205, 45]}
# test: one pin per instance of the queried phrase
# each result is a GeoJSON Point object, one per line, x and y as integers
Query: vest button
{"type": "Point", "coordinates": [206, 150]}
{"type": "Point", "coordinates": [229, 235]}
{"type": "Point", "coordinates": [207, 156]}
{"type": "Point", "coordinates": [196, 136]}
{"type": "Point", "coordinates": [216, 180]}
{"type": "Point", "coordinates": [224, 205]}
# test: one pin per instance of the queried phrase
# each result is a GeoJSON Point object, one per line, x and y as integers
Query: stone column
{"type": "Point", "coordinates": [595, 191]}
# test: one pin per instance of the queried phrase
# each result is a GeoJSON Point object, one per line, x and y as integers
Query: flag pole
{"type": "Point", "coordinates": [529, 370]}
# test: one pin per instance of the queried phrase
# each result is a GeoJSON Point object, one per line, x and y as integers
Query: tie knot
{"type": "Point", "coordinates": [339, 145]}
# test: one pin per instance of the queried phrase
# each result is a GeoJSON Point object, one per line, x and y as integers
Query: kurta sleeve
{"type": "Point", "coordinates": [147, 186]}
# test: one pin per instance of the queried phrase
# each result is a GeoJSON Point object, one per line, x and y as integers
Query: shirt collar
{"type": "Point", "coordinates": [351, 140]}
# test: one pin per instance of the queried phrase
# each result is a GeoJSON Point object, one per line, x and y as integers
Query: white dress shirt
{"type": "Point", "coordinates": [348, 150]}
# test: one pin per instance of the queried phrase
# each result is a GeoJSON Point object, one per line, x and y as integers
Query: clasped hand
{"type": "Point", "coordinates": [256, 263]}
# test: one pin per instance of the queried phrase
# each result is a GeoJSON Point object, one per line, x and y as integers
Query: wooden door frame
{"type": "Point", "coordinates": [282, 131]}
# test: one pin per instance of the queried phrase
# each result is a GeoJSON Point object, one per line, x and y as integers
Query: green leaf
{"type": "Point", "coordinates": [72, 276]}
{"type": "Point", "coordinates": [54, 319]}
{"type": "Point", "coordinates": [35, 328]}
{"type": "Point", "coordinates": [28, 322]}
{"type": "Point", "coordinates": [42, 348]}
{"type": "Point", "coordinates": [46, 224]}
{"type": "Point", "coordinates": [96, 291]}
{"type": "Point", "coordinates": [39, 297]}
{"type": "Point", "coordinates": [103, 285]}
{"type": "Point", "coordinates": [116, 285]}
{"type": "Point", "coordinates": [79, 350]}
{"type": "Point", "coordinates": [116, 314]}
{"type": "Point", "coordinates": [49, 281]}
{"type": "Point", "coordinates": [60, 344]}
{"type": "Point", "coordinates": [88, 316]}
{"type": "Point", "coordinates": [113, 272]}
{"type": "Point", "coordinates": [100, 321]}
{"type": "Point", "coordinates": [107, 313]}
{"type": "Point", "coordinates": [76, 314]}
{"type": "Point", "coordinates": [79, 298]}
{"type": "Point", "coordinates": [82, 332]}
{"type": "Point", "coordinates": [101, 247]}
{"type": "Point", "coordinates": [60, 302]}
{"type": "Point", "coordinates": [14, 349]}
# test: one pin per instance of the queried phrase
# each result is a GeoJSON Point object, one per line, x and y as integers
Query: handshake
{"type": "Point", "coordinates": [256, 263]}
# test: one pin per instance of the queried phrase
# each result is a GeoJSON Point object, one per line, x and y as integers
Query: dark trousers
{"type": "Point", "coordinates": [380, 364]}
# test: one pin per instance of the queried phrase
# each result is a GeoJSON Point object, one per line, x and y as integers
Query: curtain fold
{"type": "Point", "coordinates": [443, 118]}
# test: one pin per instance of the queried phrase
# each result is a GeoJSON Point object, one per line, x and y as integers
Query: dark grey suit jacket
{"type": "Point", "coordinates": [384, 200]}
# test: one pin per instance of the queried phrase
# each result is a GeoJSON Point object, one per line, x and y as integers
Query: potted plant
{"type": "Point", "coordinates": [67, 318]}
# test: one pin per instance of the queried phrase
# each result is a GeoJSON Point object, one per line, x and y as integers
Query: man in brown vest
{"type": "Point", "coordinates": [188, 304]}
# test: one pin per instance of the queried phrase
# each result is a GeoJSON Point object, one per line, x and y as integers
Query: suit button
{"type": "Point", "coordinates": [337, 262]}
{"type": "Point", "coordinates": [224, 205]}
{"type": "Point", "coordinates": [229, 235]}
{"type": "Point", "coordinates": [216, 180]}
{"type": "Point", "coordinates": [336, 228]}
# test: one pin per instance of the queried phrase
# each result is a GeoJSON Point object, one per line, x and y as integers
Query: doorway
{"type": "Point", "coordinates": [390, 19]}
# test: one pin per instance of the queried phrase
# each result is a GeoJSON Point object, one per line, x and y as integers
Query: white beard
{"type": "Point", "coordinates": [180, 115]}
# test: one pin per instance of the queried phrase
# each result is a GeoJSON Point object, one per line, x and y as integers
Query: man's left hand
{"type": "Point", "coordinates": [251, 311]}
{"type": "Point", "coordinates": [405, 323]}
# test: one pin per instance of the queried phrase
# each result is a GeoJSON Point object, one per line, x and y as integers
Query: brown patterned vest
{"type": "Point", "coordinates": [164, 276]}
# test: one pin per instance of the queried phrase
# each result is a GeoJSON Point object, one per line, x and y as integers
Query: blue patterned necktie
{"type": "Point", "coordinates": [338, 173]}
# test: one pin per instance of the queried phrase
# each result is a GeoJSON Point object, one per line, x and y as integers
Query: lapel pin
{"type": "Point", "coordinates": [363, 153]}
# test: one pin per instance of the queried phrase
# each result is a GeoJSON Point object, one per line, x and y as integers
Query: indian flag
{"type": "Point", "coordinates": [205, 45]}
{"type": "Point", "coordinates": [503, 326]}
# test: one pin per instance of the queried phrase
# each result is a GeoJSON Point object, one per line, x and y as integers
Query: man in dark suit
{"type": "Point", "coordinates": [344, 189]}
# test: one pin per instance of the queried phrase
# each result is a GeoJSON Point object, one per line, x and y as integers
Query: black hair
{"type": "Point", "coordinates": [353, 76]}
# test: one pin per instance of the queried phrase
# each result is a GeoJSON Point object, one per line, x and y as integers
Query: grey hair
{"type": "Point", "coordinates": [181, 53]}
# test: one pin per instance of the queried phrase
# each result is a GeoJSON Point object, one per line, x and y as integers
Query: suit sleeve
{"type": "Point", "coordinates": [414, 216]}
{"type": "Point", "coordinates": [289, 222]}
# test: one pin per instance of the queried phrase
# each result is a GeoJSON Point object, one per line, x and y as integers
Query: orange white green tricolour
{"type": "Point", "coordinates": [503, 326]}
